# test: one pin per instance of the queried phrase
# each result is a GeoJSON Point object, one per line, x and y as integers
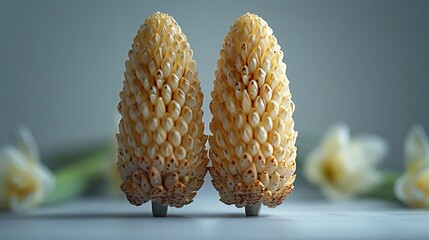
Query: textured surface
{"type": "Point", "coordinates": [161, 153]}
{"type": "Point", "coordinates": [207, 218]}
{"type": "Point", "coordinates": [252, 147]}
{"type": "Point", "coordinates": [362, 62]}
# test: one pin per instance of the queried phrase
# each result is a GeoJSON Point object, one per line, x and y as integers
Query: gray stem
{"type": "Point", "coordinates": [159, 210]}
{"type": "Point", "coordinates": [253, 210]}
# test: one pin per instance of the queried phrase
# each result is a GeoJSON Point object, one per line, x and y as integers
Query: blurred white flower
{"type": "Point", "coordinates": [412, 188]}
{"type": "Point", "coordinates": [24, 181]}
{"type": "Point", "coordinates": [343, 167]}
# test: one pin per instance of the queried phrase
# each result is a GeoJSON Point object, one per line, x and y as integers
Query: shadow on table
{"type": "Point", "coordinates": [118, 215]}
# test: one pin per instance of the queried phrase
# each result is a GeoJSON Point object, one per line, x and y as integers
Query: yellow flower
{"type": "Point", "coordinates": [412, 188]}
{"type": "Point", "coordinates": [343, 167]}
{"type": "Point", "coordinates": [24, 181]}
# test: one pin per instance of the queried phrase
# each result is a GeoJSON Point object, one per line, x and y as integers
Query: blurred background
{"type": "Point", "coordinates": [365, 63]}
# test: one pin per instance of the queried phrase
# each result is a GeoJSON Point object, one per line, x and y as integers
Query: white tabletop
{"type": "Point", "coordinates": [303, 215]}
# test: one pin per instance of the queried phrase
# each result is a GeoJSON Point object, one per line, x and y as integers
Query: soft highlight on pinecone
{"type": "Point", "coordinates": [252, 148]}
{"type": "Point", "coordinates": [161, 153]}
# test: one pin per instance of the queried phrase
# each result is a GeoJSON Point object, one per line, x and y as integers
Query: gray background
{"type": "Point", "coordinates": [365, 63]}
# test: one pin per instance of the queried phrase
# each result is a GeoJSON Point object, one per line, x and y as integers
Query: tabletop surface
{"type": "Point", "coordinates": [302, 216]}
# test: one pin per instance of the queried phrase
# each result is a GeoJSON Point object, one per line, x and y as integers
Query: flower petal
{"type": "Point", "coordinates": [10, 160]}
{"type": "Point", "coordinates": [47, 180]}
{"type": "Point", "coordinates": [24, 181]}
{"type": "Point", "coordinates": [335, 194]}
{"type": "Point", "coordinates": [312, 166]}
{"type": "Point", "coordinates": [416, 145]}
{"type": "Point", "coordinates": [8, 155]}
{"type": "Point", "coordinates": [370, 148]}
{"type": "Point", "coordinates": [21, 205]}
{"type": "Point", "coordinates": [400, 188]}
{"type": "Point", "coordinates": [27, 145]}
{"type": "Point", "coordinates": [337, 137]}
{"type": "Point", "coordinates": [421, 186]}
{"type": "Point", "coordinates": [343, 167]}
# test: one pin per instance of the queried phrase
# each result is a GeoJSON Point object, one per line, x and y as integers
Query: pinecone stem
{"type": "Point", "coordinates": [253, 210]}
{"type": "Point", "coordinates": [159, 210]}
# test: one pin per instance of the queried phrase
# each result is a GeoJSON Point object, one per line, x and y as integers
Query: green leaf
{"type": "Point", "coordinates": [385, 190]}
{"type": "Point", "coordinates": [76, 178]}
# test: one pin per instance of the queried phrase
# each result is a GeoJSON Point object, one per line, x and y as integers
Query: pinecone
{"type": "Point", "coordinates": [161, 153]}
{"type": "Point", "coordinates": [252, 148]}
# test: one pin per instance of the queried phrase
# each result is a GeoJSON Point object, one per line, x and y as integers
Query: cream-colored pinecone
{"type": "Point", "coordinates": [161, 153]}
{"type": "Point", "coordinates": [252, 148]}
